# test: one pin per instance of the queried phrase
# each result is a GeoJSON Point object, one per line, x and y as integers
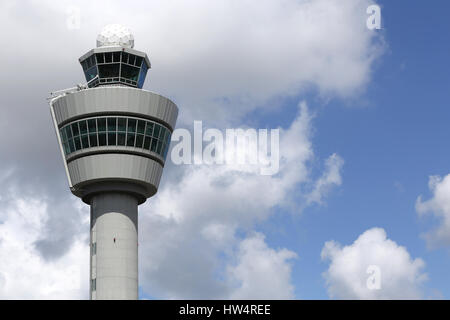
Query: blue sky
{"type": "Point", "coordinates": [378, 104]}
{"type": "Point", "coordinates": [392, 138]}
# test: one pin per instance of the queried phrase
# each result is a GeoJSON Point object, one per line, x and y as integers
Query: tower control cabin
{"type": "Point", "coordinates": [114, 137]}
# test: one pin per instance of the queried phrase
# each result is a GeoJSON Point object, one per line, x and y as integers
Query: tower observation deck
{"type": "Point", "coordinates": [114, 137]}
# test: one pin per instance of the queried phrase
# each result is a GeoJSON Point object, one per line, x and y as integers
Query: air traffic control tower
{"type": "Point", "coordinates": [114, 137]}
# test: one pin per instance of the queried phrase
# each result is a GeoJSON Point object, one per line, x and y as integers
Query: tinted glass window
{"type": "Point", "coordinates": [111, 139]}
{"type": "Point", "coordinates": [100, 58]}
{"type": "Point", "coordinates": [71, 146]}
{"type": "Point", "coordinates": [156, 131]}
{"type": "Point", "coordinates": [84, 64]}
{"type": "Point", "coordinates": [101, 122]}
{"type": "Point", "coordinates": [112, 131]}
{"type": "Point", "coordinates": [116, 56]}
{"type": "Point", "coordinates": [149, 129]}
{"type": "Point", "coordinates": [166, 148]}
{"type": "Point", "coordinates": [111, 124]}
{"type": "Point", "coordinates": [138, 61]}
{"type": "Point", "coordinates": [166, 136]}
{"type": "Point", "coordinates": [132, 125]}
{"type": "Point", "coordinates": [89, 62]}
{"type": "Point", "coordinates": [77, 143]}
{"type": "Point", "coordinates": [84, 141]}
{"type": "Point", "coordinates": [68, 132]}
{"type": "Point", "coordinates": [108, 57]}
{"type": "Point", "coordinates": [130, 139]}
{"type": "Point", "coordinates": [121, 139]}
{"type": "Point", "coordinates": [139, 140]}
{"type": "Point", "coordinates": [102, 139]}
{"type": "Point", "coordinates": [93, 140]}
{"type": "Point", "coordinates": [75, 130]}
{"type": "Point", "coordinates": [158, 148]}
{"type": "Point", "coordinates": [124, 57]}
{"type": "Point", "coordinates": [147, 141]}
{"type": "Point", "coordinates": [63, 135]}
{"type": "Point", "coordinates": [142, 75]}
{"type": "Point", "coordinates": [122, 124]}
{"type": "Point", "coordinates": [91, 73]}
{"type": "Point", "coordinates": [83, 127]}
{"type": "Point", "coordinates": [66, 148]}
{"type": "Point", "coordinates": [106, 67]}
{"type": "Point", "coordinates": [141, 126]}
{"type": "Point", "coordinates": [92, 123]}
{"type": "Point", "coordinates": [130, 72]}
{"type": "Point", "coordinates": [131, 59]}
{"type": "Point", "coordinates": [108, 70]}
{"type": "Point", "coordinates": [153, 145]}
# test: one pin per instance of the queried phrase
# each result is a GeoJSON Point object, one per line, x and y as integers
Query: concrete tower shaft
{"type": "Point", "coordinates": [114, 237]}
{"type": "Point", "coordinates": [114, 138]}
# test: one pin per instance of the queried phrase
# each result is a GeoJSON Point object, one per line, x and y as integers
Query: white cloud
{"type": "Point", "coordinates": [24, 273]}
{"type": "Point", "coordinates": [439, 207]}
{"type": "Point", "coordinates": [195, 221]}
{"type": "Point", "coordinates": [331, 177]}
{"type": "Point", "coordinates": [347, 275]}
{"type": "Point", "coordinates": [261, 272]}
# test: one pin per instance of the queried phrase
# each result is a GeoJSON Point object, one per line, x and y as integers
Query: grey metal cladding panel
{"type": "Point", "coordinates": [61, 111]}
{"type": "Point", "coordinates": [115, 166]}
{"type": "Point", "coordinates": [115, 99]}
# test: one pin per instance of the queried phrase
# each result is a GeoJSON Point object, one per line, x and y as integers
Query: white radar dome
{"type": "Point", "coordinates": [115, 35]}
